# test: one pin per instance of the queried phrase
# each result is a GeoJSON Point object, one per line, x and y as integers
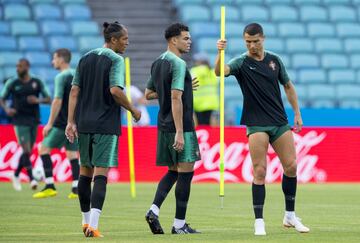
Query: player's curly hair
{"type": "Point", "coordinates": [175, 30]}
{"type": "Point", "coordinates": [114, 29]}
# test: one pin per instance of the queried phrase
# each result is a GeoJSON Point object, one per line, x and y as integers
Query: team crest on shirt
{"type": "Point", "coordinates": [272, 65]}
{"type": "Point", "coordinates": [34, 85]}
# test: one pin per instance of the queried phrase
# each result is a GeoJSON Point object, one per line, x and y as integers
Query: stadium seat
{"type": "Point", "coordinates": [342, 76]}
{"type": "Point", "coordinates": [4, 28]}
{"type": "Point", "coordinates": [2, 77]}
{"type": "Point", "coordinates": [1, 14]}
{"type": "Point", "coordinates": [269, 29]}
{"type": "Point", "coordinates": [222, 2]}
{"type": "Point", "coordinates": [337, 1]}
{"type": "Point", "coordinates": [9, 58]}
{"type": "Point", "coordinates": [236, 46]}
{"type": "Point", "coordinates": [292, 73]}
{"type": "Point", "coordinates": [302, 45]}
{"type": "Point", "coordinates": [349, 104]}
{"type": "Point", "coordinates": [7, 43]}
{"type": "Point", "coordinates": [348, 91]}
{"type": "Point", "coordinates": [204, 29]}
{"type": "Point", "coordinates": [274, 44]}
{"type": "Point", "coordinates": [302, 2]}
{"type": "Point", "coordinates": [352, 45]}
{"type": "Point", "coordinates": [77, 12]}
{"type": "Point", "coordinates": [47, 11]}
{"type": "Point", "coordinates": [9, 71]}
{"type": "Point", "coordinates": [348, 29]}
{"type": "Point", "coordinates": [321, 91]}
{"type": "Point", "coordinates": [313, 13]}
{"type": "Point", "coordinates": [233, 29]}
{"type": "Point", "coordinates": [84, 28]}
{"type": "Point", "coordinates": [241, 2]}
{"type": "Point", "coordinates": [232, 13]}
{"type": "Point", "coordinates": [254, 13]}
{"type": "Point", "coordinates": [272, 2]}
{"type": "Point", "coordinates": [207, 44]}
{"type": "Point", "coordinates": [283, 13]}
{"type": "Point", "coordinates": [24, 28]}
{"type": "Point", "coordinates": [285, 59]}
{"type": "Point", "coordinates": [180, 2]}
{"type": "Point", "coordinates": [321, 30]}
{"type": "Point", "coordinates": [45, 74]}
{"type": "Point", "coordinates": [42, 1]}
{"type": "Point", "coordinates": [38, 58]}
{"type": "Point", "coordinates": [75, 57]}
{"type": "Point", "coordinates": [334, 61]}
{"type": "Point", "coordinates": [328, 45]}
{"type": "Point", "coordinates": [323, 103]}
{"type": "Point", "coordinates": [312, 76]}
{"type": "Point", "coordinates": [305, 61]}
{"type": "Point", "coordinates": [12, 1]}
{"type": "Point", "coordinates": [54, 28]}
{"type": "Point", "coordinates": [339, 13]}
{"type": "Point", "coordinates": [16, 11]}
{"type": "Point", "coordinates": [355, 62]}
{"type": "Point", "coordinates": [87, 43]}
{"type": "Point", "coordinates": [358, 77]}
{"type": "Point", "coordinates": [195, 13]}
{"type": "Point", "coordinates": [72, 1]}
{"type": "Point", "coordinates": [27, 43]}
{"type": "Point", "coordinates": [291, 29]}
{"type": "Point", "coordinates": [56, 42]}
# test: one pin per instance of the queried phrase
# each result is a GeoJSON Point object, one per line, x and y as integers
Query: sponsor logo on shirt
{"type": "Point", "coordinates": [252, 68]}
{"type": "Point", "coordinates": [272, 65]}
{"type": "Point", "coordinates": [34, 85]}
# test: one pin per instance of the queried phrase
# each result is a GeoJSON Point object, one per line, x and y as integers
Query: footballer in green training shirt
{"type": "Point", "coordinates": [259, 73]}
{"type": "Point", "coordinates": [177, 146]}
{"type": "Point", "coordinates": [97, 95]}
{"type": "Point", "coordinates": [25, 91]}
{"type": "Point", "coordinates": [54, 131]}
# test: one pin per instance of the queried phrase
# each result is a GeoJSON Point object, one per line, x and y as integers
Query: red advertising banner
{"type": "Point", "coordinates": [323, 155]}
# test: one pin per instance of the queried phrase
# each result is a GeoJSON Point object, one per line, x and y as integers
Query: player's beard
{"type": "Point", "coordinates": [22, 74]}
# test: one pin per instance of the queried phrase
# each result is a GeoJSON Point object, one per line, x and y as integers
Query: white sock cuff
{"type": "Point", "coordinates": [155, 209]}
{"type": "Point", "coordinates": [75, 183]}
{"type": "Point", "coordinates": [49, 180]}
{"type": "Point", "coordinates": [179, 223]}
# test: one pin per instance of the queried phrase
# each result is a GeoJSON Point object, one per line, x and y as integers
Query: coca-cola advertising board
{"type": "Point", "coordinates": [323, 155]}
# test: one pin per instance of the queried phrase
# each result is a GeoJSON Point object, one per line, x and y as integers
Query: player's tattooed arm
{"type": "Point", "coordinates": [150, 94]}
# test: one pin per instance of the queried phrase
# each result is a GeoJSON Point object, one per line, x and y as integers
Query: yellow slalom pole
{"type": "Point", "coordinates": [222, 107]}
{"type": "Point", "coordinates": [130, 131]}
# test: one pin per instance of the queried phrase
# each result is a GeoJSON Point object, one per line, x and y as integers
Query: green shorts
{"type": "Point", "coordinates": [100, 150]}
{"type": "Point", "coordinates": [25, 134]}
{"type": "Point", "coordinates": [166, 155]}
{"type": "Point", "coordinates": [56, 139]}
{"type": "Point", "coordinates": [274, 132]}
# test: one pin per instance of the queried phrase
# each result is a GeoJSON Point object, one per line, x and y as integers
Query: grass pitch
{"type": "Point", "coordinates": [332, 211]}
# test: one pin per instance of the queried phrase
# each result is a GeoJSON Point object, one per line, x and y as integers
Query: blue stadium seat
{"type": "Point", "coordinates": [342, 76]}
{"type": "Point", "coordinates": [274, 44]}
{"type": "Point", "coordinates": [4, 28]}
{"type": "Point", "coordinates": [321, 30]}
{"type": "Point", "coordinates": [27, 43]}
{"type": "Point", "coordinates": [204, 29]}
{"type": "Point", "coordinates": [2, 77]}
{"type": "Point", "coordinates": [87, 43]}
{"type": "Point", "coordinates": [328, 45]}
{"type": "Point", "coordinates": [299, 45]}
{"type": "Point", "coordinates": [24, 28]}
{"type": "Point", "coordinates": [313, 13]}
{"type": "Point", "coordinates": [323, 104]}
{"type": "Point", "coordinates": [284, 13]}
{"type": "Point", "coordinates": [38, 58]}
{"type": "Point", "coordinates": [207, 44]}
{"type": "Point", "coordinates": [190, 13]}
{"type": "Point", "coordinates": [334, 61]}
{"type": "Point", "coordinates": [349, 104]}
{"type": "Point", "coordinates": [12, 1]}
{"type": "Point", "coordinates": [55, 28]}
{"type": "Point", "coordinates": [46, 74]}
{"type": "Point", "coordinates": [9, 71]}
{"type": "Point", "coordinates": [236, 46]}
{"type": "Point", "coordinates": [56, 42]}
{"type": "Point", "coordinates": [72, 1]}
{"type": "Point", "coordinates": [84, 28]}
{"type": "Point", "coordinates": [42, 1]}
{"type": "Point", "coordinates": [272, 2]}
{"type": "Point", "coordinates": [292, 74]}
{"type": "Point", "coordinates": [7, 43]}
{"type": "Point", "coordinates": [321, 91]}
{"type": "Point", "coordinates": [348, 91]}
{"type": "Point", "coordinates": [301, 91]}
{"type": "Point", "coordinates": [269, 29]}
{"type": "Point", "coordinates": [212, 57]}
{"type": "Point", "coordinates": [352, 45]}
{"type": "Point", "coordinates": [47, 11]}
{"type": "Point", "coordinates": [75, 57]}
{"type": "Point", "coordinates": [1, 15]}
{"type": "Point", "coordinates": [254, 13]}
{"type": "Point", "coordinates": [292, 29]}
{"type": "Point", "coordinates": [232, 13]}
{"type": "Point", "coordinates": [305, 61]}
{"type": "Point", "coordinates": [77, 12]}
{"type": "Point", "coordinates": [302, 2]}
{"type": "Point", "coordinates": [16, 11]}
{"type": "Point", "coordinates": [241, 2]}
{"type": "Point", "coordinates": [358, 76]}
{"type": "Point", "coordinates": [355, 62]}
{"type": "Point", "coordinates": [337, 1]}
{"type": "Point", "coordinates": [233, 29]}
{"type": "Point", "coordinates": [180, 2]}
{"type": "Point", "coordinates": [222, 2]}
{"type": "Point", "coordinates": [312, 76]}
{"type": "Point", "coordinates": [340, 13]}
{"type": "Point", "coordinates": [9, 58]}
{"type": "Point", "coordinates": [285, 59]}
{"type": "Point", "coordinates": [348, 29]}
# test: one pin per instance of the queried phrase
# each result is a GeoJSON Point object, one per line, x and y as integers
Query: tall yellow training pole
{"type": "Point", "coordinates": [222, 114]}
{"type": "Point", "coordinates": [130, 131]}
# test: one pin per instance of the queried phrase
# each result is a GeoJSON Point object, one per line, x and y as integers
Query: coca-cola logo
{"type": "Point", "coordinates": [237, 158]}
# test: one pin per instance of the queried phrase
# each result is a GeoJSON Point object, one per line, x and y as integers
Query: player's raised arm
{"type": "Point", "coordinates": [221, 45]}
